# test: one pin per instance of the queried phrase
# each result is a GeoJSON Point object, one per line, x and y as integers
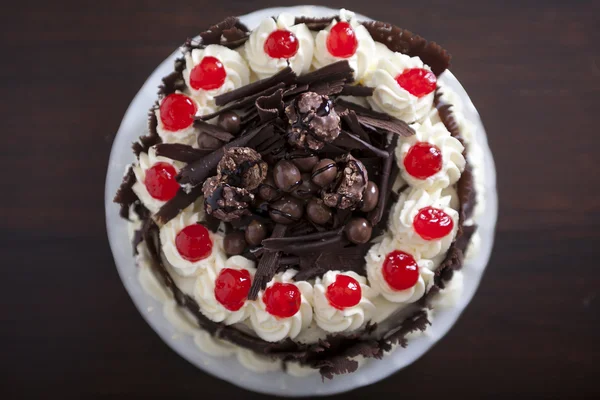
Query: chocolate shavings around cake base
{"type": "Point", "coordinates": [125, 196]}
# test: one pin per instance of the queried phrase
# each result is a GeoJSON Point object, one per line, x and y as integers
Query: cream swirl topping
{"type": "Point", "coordinates": [389, 97]}
{"type": "Point", "coordinates": [375, 259]}
{"type": "Point", "coordinates": [145, 162]}
{"type": "Point", "coordinates": [271, 328]}
{"type": "Point", "coordinates": [186, 135]}
{"type": "Point", "coordinates": [363, 61]}
{"type": "Point", "coordinates": [333, 319]}
{"type": "Point", "coordinates": [402, 218]}
{"type": "Point", "coordinates": [236, 69]}
{"type": "Point", "coordinates": [453, 161]}
{"type": "Point", "coordinates": [204, 292]}
{"type": "Point", "coordinates": [168, 236]}
{"type": "Point", "coordinates": [264, 65]}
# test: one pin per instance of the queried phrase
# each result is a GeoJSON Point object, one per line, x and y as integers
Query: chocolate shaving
{"type": "Point", "coordinates": [270, 107]}
{"type": "Point", "coordinates": [281, 243]}
{"type": "Point", "coordinates": [314, 24]}
{"type": "Point", "coordinates": [285, 76]}
{"type": "Point", "coordinates": [375, 216]}
{"type": "Point", "coordinates": [338, 71]}
{"type": "Point", "coordinates": [214, 131]}
{"type": "Point", "coordinates": [180, 152]}
{"type": "Point", "coordinates": [174, 81]}
{"type": "Point", "coordinates": [446, 114]}
{"type": "Point", "coordinates": [357, 90]}
{"type": "Point", "coordinates": [344, 258]}
{"type": "Point", "coordinates": [125, 196]}
{"type": "Point", "coordinates": [404, 41]}
{"type": "Point", "coordinates": [393, 125]}
{"type": "Point", "coordinates": [267, 265]}
{"type": "Point", "coordinates": [418, 321]}
{"type": "Point", "coordinates": [465, 189]}
{"type": "Point", "coordinates": [145, 142]}
{"type": "Point", "coordinates": [195, 173]}
{"type": "Point", "coordinates": [351, 121]}
{"type": "Point", "coordinates": [229, 32]}
{"type": "Point", "coordinates": [349, 141]}
{"type": "Point", "coordinates": [182, 199]}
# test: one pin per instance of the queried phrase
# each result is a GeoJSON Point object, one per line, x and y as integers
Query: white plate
{"type": "Point", "coordinates": [229, 369]}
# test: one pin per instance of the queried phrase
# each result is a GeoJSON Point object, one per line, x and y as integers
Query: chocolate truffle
{"type": "Point", "coordinates": [306, 189]}
{"type": "Point", "coordinates": [303, 160]}
{"type": "Point", "coordinates": [318, 212]}
{"type": "Point", "coordinates": [349, 186]}
{"type": "Point", "coordinates": [225, 202]}
{"type": "Point", "coordinates": [324, 172]}
{"type": "Point", "coordinates": [234, 243]}
{"type": "Point", "coordinates": [230, 122]}
{"type": "Point", "coordinates": [286, 175]}
{"type": "Point", "coordinates": [358, 230]}
{"type": "Point", "coordinates": [370, 197]}
{"type": "Point", "coordinates": [242, 167]}
{"type": "Point", "coordinates": [313, 121]}
{"type": "Point", "coordinates": [256, 231]}
{"type": "Point", "coordinates": [286, 210]}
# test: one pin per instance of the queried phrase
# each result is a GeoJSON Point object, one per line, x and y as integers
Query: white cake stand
{"type": "Point", "coordinates": [229, 369]}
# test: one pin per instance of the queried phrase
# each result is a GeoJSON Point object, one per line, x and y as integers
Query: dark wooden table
{"type": "Point", "coordinates": [69, 71]}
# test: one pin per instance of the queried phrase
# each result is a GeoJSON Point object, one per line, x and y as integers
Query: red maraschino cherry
{"type": "Point", "coordinates": [423, 160]}
{"type": "Point", "coordinates": [417, 81]}
{"type": "Point", "coordinates": [177, 112]}
{"type": "Point", "coordinates": [281, 44]}
{"type": "Point", "coordinates": [432, 223]}
{"type": "Point", "coordinates": [160, 181]}
{"type": "Point", "coordinates": [341, 41]}
{"type": "Point", "coordinates": [232, 287]}
{"type": "Point", "coordinates": [344, 292]}
{"type": "Point", "coordinates": [193, 242]}
{"type": "Point", "coordinates": [282, 299]}
{"type": "Point", "coordinates": [208, 75]}
{"type": "Point", "coordinates": [400, 270]}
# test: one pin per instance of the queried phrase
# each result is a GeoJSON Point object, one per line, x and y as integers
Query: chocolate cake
{"type": "Point", "coordinates": [304, 192]}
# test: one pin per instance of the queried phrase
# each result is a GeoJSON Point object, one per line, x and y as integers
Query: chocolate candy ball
{"type": "Point", "coordinates": [304, 161]}
{"type": "Point", "coordinates": [267, 189]}
{"type": "Point", "coordinates": [286, 175]}
{"type": "Point", "coordinates": [286, 210]}
{"type": "Point", "coordinates": [207, 142]}
{"type": "Point", "coordinates": [370, 197]}
{"type": "Point", "coordinates": [306, 189]}
{"type": "Point", "coordinates": [358, 230]}
{"type": "Point", "coordinates": [318, 212]}
{"type": "Point", "coordinates": [234, 243]}
{"type": "Point", "coordinates": [230, 122]}
{"type": "Point", "coordinates": [324, 172]}
{"type": "Point", "coordinates": [256, 232]}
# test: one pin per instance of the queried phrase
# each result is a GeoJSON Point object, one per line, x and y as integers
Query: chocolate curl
{"type": "Point", "coordinates": [174, 81]}
{"type": "Point", "coordinates": [270, 107]}
{"type": "Point", "coordinates": [404, 41]}
{"type": "Point", "coordinates": [145, 142]}
{"type": "Point", "coordinates": [384, 187]}
{"type": "Point", "coordinates": [338, 71]}
{"type": "Point", "coordinates": [349, 141]}
{"type": "Point", "coordinates": [357, 91]}
{"type": "Point", "coordinates": [375, 120]}
{"type": "Point", "coordinates": [180, 152]}
{"type": "Point", "coordinates": [447, 115]}
{"type": "Point", "coordinates": [195, 174]}
{"type": "Point", "coordinates": [336, 257]}
{"type": "Point", "coordinates": [282, 243]}
{"type": "Point", "coordinates": [229, 32]}
{"type": "Point", "coordinates": [174, 206]}
{"type": "Point", "coordinates": [214, 131]}
{"type": "Point", "coordinates": [267, 266]}
{"type": "Point", "coordinates": [314, 24]}
{"type": "Point", "coordinates": [285, 76]}
{"type": "Point", "coordinates": [397, 335]}
{"type": "Point", "coordinates": [125, 196]}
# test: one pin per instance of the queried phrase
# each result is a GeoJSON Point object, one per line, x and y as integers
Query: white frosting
{"type": "Point", "coordinates": [238, 74]}
{"type": "Point", "coordinates": [375, 259]}
{"type": "Point", "coordinates": [204, 292]}
{"type": "Point", "coordinates": [168, 233]}
{"type": "Point", "coordinates": [179, 318]}
{"type": "Point", "coordinates": [273, 329]}
{"type": "Point", "coordinates": [144, 163]}
{"type": "Point", "coordinates": [186, 135]}
{"type": "Point", "coordinates": [264, 65]}
{"type": "Point", "coordinates": [299, 371]}
{"type": "Point", "coordinates": [213, 346]}
{"type": "Point", "coordinates": [148, 278]}
{"type": "Point", "coordinates": [453, 162]}
{"type": "Point", "coordinates": [256, 363]}
{"type": "Point", "coordinates": [389, 97]}
{"type": "Point", "coordinates": [403, 215]}
{"type": "Point", "coordinates": [332, 319]}
{"type": "Point", "coordinates": [363, 61]}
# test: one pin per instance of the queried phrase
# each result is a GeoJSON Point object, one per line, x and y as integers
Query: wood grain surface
{"type": "Point", "coordinates": [69, 70]}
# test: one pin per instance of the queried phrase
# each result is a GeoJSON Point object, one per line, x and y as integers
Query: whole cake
{"type": "Point", "coordinates": [303, 198]}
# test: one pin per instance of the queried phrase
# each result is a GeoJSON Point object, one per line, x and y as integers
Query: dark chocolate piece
{"type": "Point", "coordinates": [174, 81]}
{"type": "Point", "coordinates": [286, 210]}
{"type": "Point", "coordinates": [145, 142]}
{"type": "Point", "coordinates": [312, 121]}
{"type": "Point", "coordinates": [180, 152]}
{"type": "Point", "coordinates": [242, 167]}
{"type": "Point", "coordinates": [255, 233]}
{"type": "Point", "coordinates": [267, 265]}
{"type": "Point", "coordinates": [375, 216]}
{"type": "Point", "coordinates": [370, 197]}
{"type": "Point", "coordinates": [349, 141]}
{"type": "Point", "coordinates": [286, 175]}
{"type": "Point", "coordinates": [229, 32]}
{"type": "Point", "coordinates": [357, 90]}
{"type": "Point", "coordinates": [324, 172]}
{"type": "Point", "coordinates": [230, 122]}
{"type": "Point", "coordinates": [304, 161]}
{"type": "Point", "coordinates": [350, 120]}
{"type": "Point", "coordinates": [306, 189]}
{"type": "Point", "coordinates": [338, 71]}
{"type": "Point", "coordinates": [234, 243]}
{"type": "Point", "coordinates": [350, 183]}
{"type": "Point", "coordinates": [213, 130]}
{"type": "Point", "coordinates": [125, 195]}
{"type": "Point", "coordinates": [270, 107]}
{"type": "Point", "coordinates": [358, 230]}
{"type": "Point", "coordinates": [446, 114]}
{"type": "Point", "coordinates": [314, 24]}
{"type": "Point", "coordinates": [317, 212]}
{"type": "Point", "coordinates": [394, 125]}
{"type": "Point", "coordinates": [208, 143]}
{"type": "Point", "coordinates": [224, 201]}
{"type": "Point", "coordinates": [182, 199]}
{"type": "Point", "coordinates": [285, 76]}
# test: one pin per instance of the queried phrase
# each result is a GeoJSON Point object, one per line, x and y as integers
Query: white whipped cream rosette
{"type": "Point", "coordinates": [264, 65]}
{"type": "Point", "coordinates": [332, 319]}
{"type": "Point", "coordinates": [389, 97]}
{"type": "Point", "coordinates": [187, 135]}
{"type": "Point", "coordinates": [144, 163]}
{"type": "Point", "coordinates": [363, 61]}
{"type": "Point", "coordinates": [168, 235]}
{"type": "Point", "coordinates": [453, 161]}
{"type": "Point", "coordinates": [375, 259]}
{"type": "Point", "coordinates": [402, 217]}
{"type": "Point", "coordinates": [204, 292]}
{"type": "Point", "coordinates": [271, 328]}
